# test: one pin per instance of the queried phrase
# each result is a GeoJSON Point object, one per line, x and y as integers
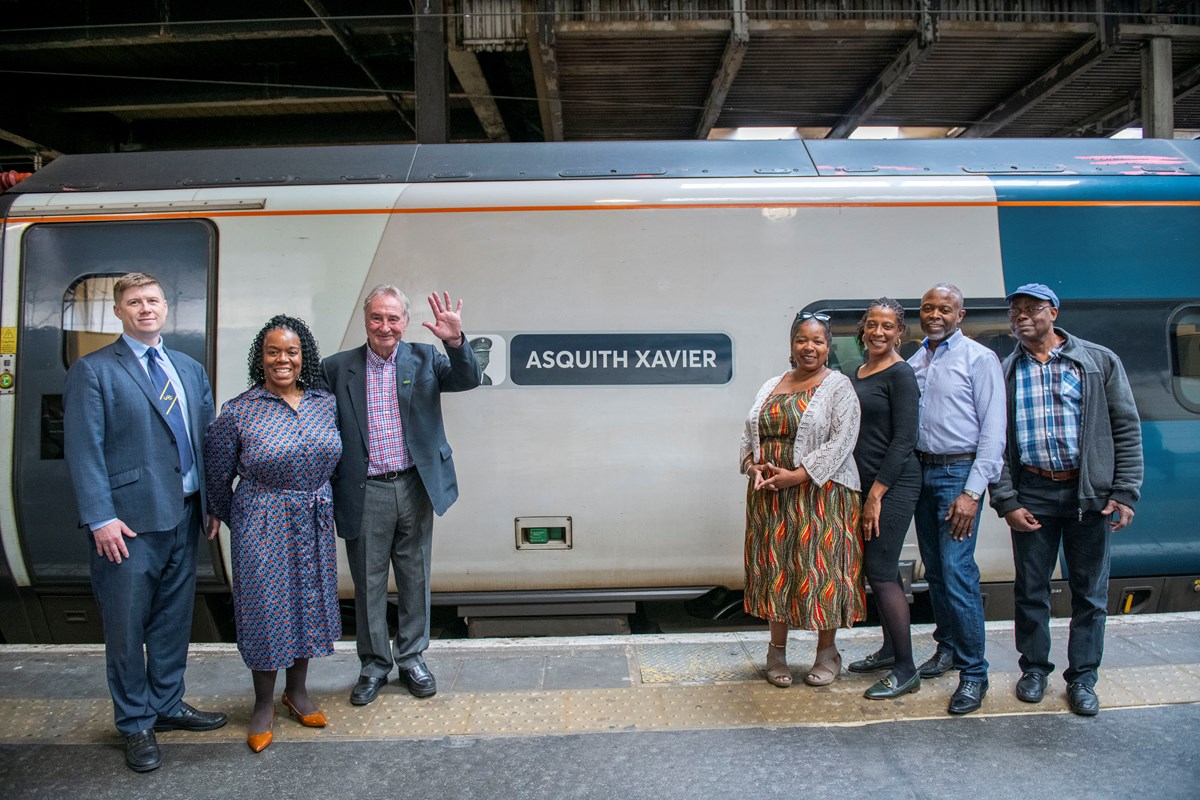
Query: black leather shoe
{"type": "Point", "coordinates": [886, 688]}
{"type": "Point", "coordinates": [141, 751]}
{"type": "Point", "coordinates": [419, 680]}
{"type": "Point", "coordinates": [1083, 700]}
{"type": "Point", "coordinates": [1031, 687]}
{"type": "Point", "coordinates": [872, 663]}
{"type": "Point", "coordinates": [938, 664]}
{"type": "Point", "coordinates": [366, 690]}
{"type": "Point", "coordinates": [967, 697]}
{"type": "Point", "coordinates": [189, 719]}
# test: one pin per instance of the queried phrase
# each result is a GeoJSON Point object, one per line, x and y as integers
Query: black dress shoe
{"type": "Point", "coordinates": [887, 688]}
{"type": "Point", "coordinates": [366, 690]}
{"type": "Point", "coordinates": [141, 751]}
{"type": "Point", "coordinates": [1031, 687]}
{"type": "Point", "coordinates": [419, 681]}
{"type": "Point", "coordinates": [189, 719]}
{"type": "Point", "coordinates": [872, 663]}
{"type": "Point", "coordinates": [967, 697]}
{"type": "Point", "coordinates": [938, 664]}
{"type": "Point", "coordinates": [1083, 700]}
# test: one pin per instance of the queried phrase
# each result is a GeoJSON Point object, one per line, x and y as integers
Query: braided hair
{"type": "Point", "coordinates": [885, 303]}
{"type": "Point", "coordinates": [310, 354]}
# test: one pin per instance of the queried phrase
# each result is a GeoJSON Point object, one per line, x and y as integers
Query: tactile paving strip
{"type": "Point", "coordinates": [653, 706]}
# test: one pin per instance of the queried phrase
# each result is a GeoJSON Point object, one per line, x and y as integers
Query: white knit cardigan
{"type": "Point", "coordinates": [826, 436]}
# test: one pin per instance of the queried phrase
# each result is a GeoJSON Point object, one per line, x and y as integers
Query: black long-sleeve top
{"type": "Point", "coordinates": [890, 402]}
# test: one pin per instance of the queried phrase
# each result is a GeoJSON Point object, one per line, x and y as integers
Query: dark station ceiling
{"type": "Point", "coordinates": [85, 76]}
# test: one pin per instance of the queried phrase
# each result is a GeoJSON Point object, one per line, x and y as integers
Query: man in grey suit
{"type": "Point", "coordinates": [135, 414]}
{"type": "Point", "coordinates": [396, 471]}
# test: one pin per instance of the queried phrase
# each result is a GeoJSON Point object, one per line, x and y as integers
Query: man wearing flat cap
{"type": "Point", "coordinates": [1072, 473]}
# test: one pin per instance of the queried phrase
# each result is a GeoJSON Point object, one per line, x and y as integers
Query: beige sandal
{"type": "Point", "coordinates": [777, 672]}
{"type": "Point", "coordinates": [827, 667]}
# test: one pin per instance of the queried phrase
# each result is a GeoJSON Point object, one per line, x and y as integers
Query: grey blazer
{"type": "Point", "coordinates": [422, 374]}
{"type": "Point", "coordinates": [119, 449]}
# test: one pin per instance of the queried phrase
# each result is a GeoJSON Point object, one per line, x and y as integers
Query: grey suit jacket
{"type": "Point", "coordinates": [422, 374]}
{"type": "Point", "coordinates": [119, 448]}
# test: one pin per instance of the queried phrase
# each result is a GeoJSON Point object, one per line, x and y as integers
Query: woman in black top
{"type": "Point", "coordinates": [891, 481]}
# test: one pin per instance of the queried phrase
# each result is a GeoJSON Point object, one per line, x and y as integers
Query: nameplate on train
{"type": "Point", "coordinates": [620, 359]}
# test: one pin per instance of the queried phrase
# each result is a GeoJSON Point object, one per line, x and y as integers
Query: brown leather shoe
{"type": "Point", "coordinates": [259, 741]}
{"type": "Point", "coordinates": [314, 720]}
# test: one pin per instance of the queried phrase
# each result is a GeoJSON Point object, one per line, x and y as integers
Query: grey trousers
{"type": "Point", "coordinates": [397, 529]}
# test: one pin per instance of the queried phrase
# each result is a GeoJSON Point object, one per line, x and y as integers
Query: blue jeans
{"type": "Point", "coordinates": [951, 570]}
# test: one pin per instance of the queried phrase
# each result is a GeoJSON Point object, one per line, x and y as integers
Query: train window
{"type": "Point", "coordinates": [988, 326]}
{"type": "Point", "coordinates": [1185, 356]}
{"type": "Point", "coordinates": [88, 321]}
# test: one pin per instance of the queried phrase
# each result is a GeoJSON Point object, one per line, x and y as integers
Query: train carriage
{"type": "Point", "coordinates": [629, 298]}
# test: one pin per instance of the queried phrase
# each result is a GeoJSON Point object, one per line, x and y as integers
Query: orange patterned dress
{"type": "Point", "coordinates": [803, 552]}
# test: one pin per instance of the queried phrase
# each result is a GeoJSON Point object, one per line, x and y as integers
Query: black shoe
{"type": "Point", "coordinates": [872, 663]}
{"type": "Point", "coordinates": [419, 680]}
{"type": "Point", "coordinates": [141, 751]}
{"type": "Point", "coordinates": [366, 690]}
{"type": "Point", "coordinates": [887, 688]}
{"type": "Point", "coordinates": [189, 719]}
{"type": "Point", "coordinates": [968, 696]}
{"type": "Point", "coordinates": [1083, 700]}
{"type": "Point", "coordinates": [938, 664]}
{"type": "Point", "coordinates": [1031, 687]}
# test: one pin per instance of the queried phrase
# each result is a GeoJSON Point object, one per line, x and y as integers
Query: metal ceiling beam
{"type": "Point", "coordinates": [1091, 53]}
{"type": "Point", "coordinates": [433, 122]}
{"type": "Point", "coordinates": [731, 63]}
{"type": "Point", "coordinates": [1158, 96]}
{"type": "Point", "coordinates": [28, 144]}
{"type": "Point", "coordinates": [1127, 111]}
{"type": "Point", "coordinates": [539, 31]}
{"type": "Point", "coordinates": [348, 47]}
{"type": "Point", "coordinates": [93, 39]}
{"type": "Point", "coordinates": [892, 77]}
{"type": "Point", "coordinates": [466, 68]}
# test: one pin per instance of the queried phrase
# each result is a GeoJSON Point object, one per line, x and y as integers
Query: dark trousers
{"type": "Point", "coordinates": [397, 530]}
{"type": "Point", "coordinates": [1084, 541]}
{"type": "Point", "coordinates": [146, 606]}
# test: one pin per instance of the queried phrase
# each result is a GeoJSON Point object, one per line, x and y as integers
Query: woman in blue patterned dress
{"type": "Point", "coordinates": [280, 440]}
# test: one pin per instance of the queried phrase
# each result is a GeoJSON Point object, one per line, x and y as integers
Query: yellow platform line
{"type": "Point", "coordinates": [645, 707]}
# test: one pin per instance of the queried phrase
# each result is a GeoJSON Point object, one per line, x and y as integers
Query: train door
{"type": "Point", "coordinates": [67, 275]}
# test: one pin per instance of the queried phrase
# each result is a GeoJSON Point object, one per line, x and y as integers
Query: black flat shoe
{"type": "Point", "coordinates": [190, 719]}
{"type": "Point", "coordinates": [886, 687]}
{"type": "Point", "coordinates": [1083, 700]}
{"type": "Point", "coordinates": [1031, 687]}
{"type": "Point", "coordinates": [939, 663]}
{"type": "Point", "coordinates": [141, 751]}
{"type": "Point", "coordinates": [967, 697]}
{"type": "Point", "coordinates": [872, 663]}
{"type": "Point", "coordinates": [366, 690]}
{"type": "Point", "coordinates": [419, 680]}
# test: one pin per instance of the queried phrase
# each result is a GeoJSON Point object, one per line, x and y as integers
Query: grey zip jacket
{"type": "Point", "coordinates": [1110, 435]}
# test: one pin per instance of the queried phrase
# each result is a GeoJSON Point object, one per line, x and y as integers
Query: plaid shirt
{"type": "Point", "coordinates": [386, 448]}
{"type": "Point", "coordinates": [1049, 406]}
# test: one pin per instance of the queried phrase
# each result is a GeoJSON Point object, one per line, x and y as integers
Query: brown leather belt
{"type": "Point", "coordinates": [1060, 475]}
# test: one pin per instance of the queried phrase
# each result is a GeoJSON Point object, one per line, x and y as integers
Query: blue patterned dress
{"type": "Point", "coordinates": [280, 518]}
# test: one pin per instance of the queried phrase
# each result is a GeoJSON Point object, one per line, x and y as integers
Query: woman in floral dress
{"type": "Point", "coordinates": [280, 440]}
{"type": "Point", "coordinates": [803, 552]}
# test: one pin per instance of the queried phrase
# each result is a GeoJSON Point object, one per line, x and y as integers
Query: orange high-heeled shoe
{"type": "Point", "coordinates": [259, 741]}
{"type": "Point", "coordinates": [314, 720]}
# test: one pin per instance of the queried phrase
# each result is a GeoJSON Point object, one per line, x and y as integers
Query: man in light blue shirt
{"type": "Point", "coordinates": [960, 443]}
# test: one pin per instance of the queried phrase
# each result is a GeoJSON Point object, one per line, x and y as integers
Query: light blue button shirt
{"type": "Point", "coordinates": [191, 480]}
{"type": "Point", "coordinates": [962, 405]}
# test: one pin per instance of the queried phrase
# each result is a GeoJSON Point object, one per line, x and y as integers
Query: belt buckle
{"type": "Point", "coordinates": [391, 475]}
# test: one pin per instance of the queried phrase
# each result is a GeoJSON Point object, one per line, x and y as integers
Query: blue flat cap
{"type": "Point", "coordinates": [1039, 290]}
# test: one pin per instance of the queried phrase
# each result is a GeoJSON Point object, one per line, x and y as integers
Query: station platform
{"type": "Point", "coordinates": [663, 716]}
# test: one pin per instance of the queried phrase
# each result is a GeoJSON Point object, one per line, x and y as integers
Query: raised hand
{"type": "Point", "coordinates": [447, 324]}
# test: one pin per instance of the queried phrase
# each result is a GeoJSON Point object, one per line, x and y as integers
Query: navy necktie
{"type": "Point", "coordinates": [171, 408]}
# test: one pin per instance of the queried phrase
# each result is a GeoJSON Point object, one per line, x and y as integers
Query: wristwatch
{"type": "Point", "coordinates": [973, 495]}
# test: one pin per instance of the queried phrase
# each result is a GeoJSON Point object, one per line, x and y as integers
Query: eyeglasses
{"type": "Point", "coordinates": [1027, 311]}
{"type": "Point", "coordinates": [803, 315]}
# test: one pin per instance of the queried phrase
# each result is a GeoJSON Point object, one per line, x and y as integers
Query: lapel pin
{"type": "Point", "coordinates": [406, 381]}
